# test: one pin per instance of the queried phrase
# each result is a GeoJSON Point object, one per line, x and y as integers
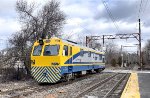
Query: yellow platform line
{"type": "Point", "coordinates": [132, 87]}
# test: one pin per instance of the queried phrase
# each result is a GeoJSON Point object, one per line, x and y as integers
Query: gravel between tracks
{"type": "Point", "coordinates": [15, 85]}
{"type": "Point", "coordinates": [102, 90]}
{"type": "Point", "coordinates": [70, 90]}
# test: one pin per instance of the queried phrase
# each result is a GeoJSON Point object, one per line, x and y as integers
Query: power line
{"type": "Point", "coordinates": [146, 3]}
{"type": "Point", "coordinates": [110, 15]}
{"type": "Point", "coordinates": [84, 28]}
{"type": "Point", "coordinates": [119, 36]}
{"type": "Point", "coordinates": [140, 6]}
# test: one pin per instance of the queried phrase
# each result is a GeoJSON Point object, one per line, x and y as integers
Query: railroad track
{"type": "Point", "coordinates": [103, 84]}
{"type": "Point", "coordinates": [116, 86]}
{"type": "Point", "coordinates": [97, 83]}
{"type": "Point", "coordinates": [24, 91]}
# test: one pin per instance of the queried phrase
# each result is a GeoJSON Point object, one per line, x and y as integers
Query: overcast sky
{"type": "Point", "coordinates": [87, 17]}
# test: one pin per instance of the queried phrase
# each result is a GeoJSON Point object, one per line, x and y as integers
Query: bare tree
{"type": "Point", "coordinates": [111, 52]}
{"type": "Point", "coordinates": [20, 50]}
{"type": "Point", "coordinates": [46, 21]}
{"type": "Point", "coordinates": [146, 53]}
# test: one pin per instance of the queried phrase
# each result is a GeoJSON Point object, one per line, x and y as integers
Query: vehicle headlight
{"type": "Point", "coordinates": [55, 63]}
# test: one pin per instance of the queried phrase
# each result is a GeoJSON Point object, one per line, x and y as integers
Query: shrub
{"type": "Point", "coordinates": [119, 61]}
{"type": "Point", "coordinates": [113, 62]}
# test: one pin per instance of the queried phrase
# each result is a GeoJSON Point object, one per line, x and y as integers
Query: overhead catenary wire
{"type": "Point", "coordinates": [145, 6]}
{"type": "Point", "coordinates": [140, 8]}
{"type": "Point", "coordinates": [110, 15]}
{"type": "Point", "coordinates": [136, 14]}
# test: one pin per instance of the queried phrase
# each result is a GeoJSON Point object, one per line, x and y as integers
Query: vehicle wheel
{"type": "Point", "coordinates": [98, 70]}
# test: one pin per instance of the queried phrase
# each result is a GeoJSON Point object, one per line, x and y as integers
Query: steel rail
{"type": "Point", "coordinates": [31, 89]}
{"type": "Point", "coordinates": [95, 85]}
{"type": "Point", "coordinates": [115, 86]}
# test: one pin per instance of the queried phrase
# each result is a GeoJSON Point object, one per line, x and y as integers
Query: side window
{"type": "Point", "coordinates": [81, 52]}
{"type": "Point", "coordinates": [103, 60]}
{"type": "Point", "coordinates": [95, 56]}
{"type": "Point", "coordinates": [70, 51]}
{"type": "Point", "coordinates": [65, 50]}
{"type": "Point", "coordinates": [89, 54]}
{"type": "Point", "coordinates": [100, 57]}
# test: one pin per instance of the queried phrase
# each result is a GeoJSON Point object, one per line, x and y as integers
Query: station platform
{"type": "Point", "coordinates": [138, 85]}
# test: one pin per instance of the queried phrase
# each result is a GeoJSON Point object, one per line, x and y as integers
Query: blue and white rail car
{"type": "Point", "coordinates": [54, 59]}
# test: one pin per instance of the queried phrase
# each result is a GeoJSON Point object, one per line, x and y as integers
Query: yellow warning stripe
{"type": "Point", "coordinates": [132, 87]}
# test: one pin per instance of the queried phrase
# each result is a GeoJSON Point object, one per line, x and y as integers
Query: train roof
{"type": "Point", "coordinates": [83, 47]}
{"type": "Point", "coordinates": [74, 44]}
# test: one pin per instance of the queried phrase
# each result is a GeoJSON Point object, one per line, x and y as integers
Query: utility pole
{"type": "Point", "coordinates": [122, 56]}
{"type": "Point", "coordinates": [86, 41]}
{"type": "Point", "coordinates": [103, 40]}
{"type": "Point", "coordinates": [140, 54]}
{"type": "Point", "coordinates": [148, 52]}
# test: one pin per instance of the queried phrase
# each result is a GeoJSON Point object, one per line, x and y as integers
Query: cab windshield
{"type": "Point", "coordinates": [51, 50]}
{"type": "Point", "coordinates": [37, 50]}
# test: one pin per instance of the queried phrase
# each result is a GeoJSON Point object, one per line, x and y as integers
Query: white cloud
{"type": "Point", "coordinates": [85, 17]}
{"type": "Point", "coordinates": [8, 26]}
{"type": "Point", "coordinates": [100, 7]}
{"type": "Point", "coordinates": [77, 10]}
{"type": "Point", "coordinates": [74, 21]}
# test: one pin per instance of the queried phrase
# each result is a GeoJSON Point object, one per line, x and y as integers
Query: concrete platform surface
{"type": "Point", "coordinates": [144, 84]}
{"type": "Point", "coordinates": [126, 71]}
{"type": "Point", "coordinates": [138, 86]}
